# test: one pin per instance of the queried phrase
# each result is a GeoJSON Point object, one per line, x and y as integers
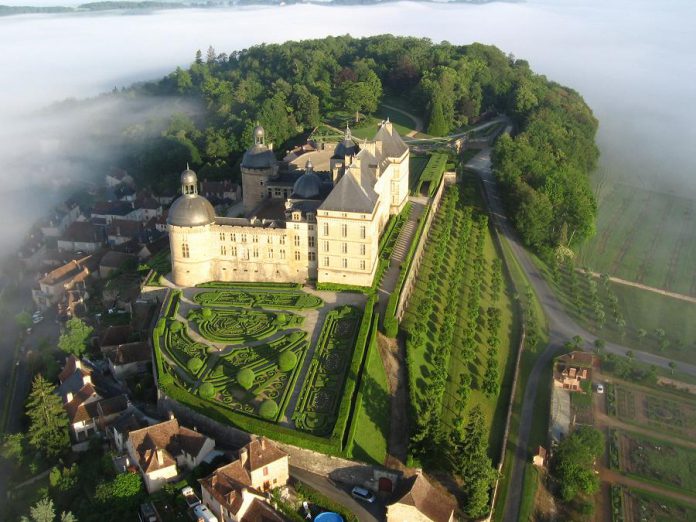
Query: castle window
{"type": "Point", "coordinates": [255, 238]}
{"type": "Point", "coordinates": [269, 239]}
{"type": "Point", "coordinates": [270, 253]}
{"type": "Point", "coordinates": [282, 253]}
{"type": "Point", "coordinates": [344, 248]}
{"type": "Point", "coordinates": [312, 256]}
{"type": "Point", "coordinates": [345, 263]}
{"type": "Point", "coordinates": [296, 226]}
{"type": "Point", "coordinates": [234, 251]}
{"type": "Point", "coordinates": [185, 250]}
{"type": "Point", "coordinates": [256, 252]}
{"type": "Point", "coordinates": [311, 227]}
{"type": "Point", "coordinates": [326, 246]}
{"type": "Point", "coordinates": [246, 254]}
{"type": "Point", "coordinates": [278, 193]}
{"type": "Point", "coordinates": [297, 241]}
{"type": "Point", "coordinates": [297, 255]}
{"type": "Point", "coordinates": [362, 265]}
{"type": "Point", "coordinates": [233, 237]}
{"type": "Point", "coordinates": [282, 240]}
{"type": "Point", "coordinates": [222, 236]}
{"type": "Point", "coordinates": [326, 229]}
{"type": "Point", "coordinates": [326, 261]}
{"type": "Point", "coordinates": [362, 232]}
{"type": "Point", "coordinates": [223, 250]}
{"type": "Point", "coordinates": [243, 238]}
{"type": "Point", "coordinates": [344, 230]}
{"type": "Point", "coordinates": [311, 241]}
{"type": "Point", "coordinates": [362, 250]}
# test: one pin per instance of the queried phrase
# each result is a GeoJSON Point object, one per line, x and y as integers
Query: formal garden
{"type": "Point", "coordinates": [236, 354]}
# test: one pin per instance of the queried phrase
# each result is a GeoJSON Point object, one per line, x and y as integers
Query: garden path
{"type": "Point", "coordinates": [613, 477]}
{"type": "Point", "coordinates": [667, 293]}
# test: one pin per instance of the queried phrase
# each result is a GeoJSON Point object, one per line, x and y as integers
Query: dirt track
{"type": "Point", "coordinates": [674, 295]}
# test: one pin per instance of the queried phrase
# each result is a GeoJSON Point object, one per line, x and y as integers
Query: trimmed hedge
{"type": "Point", "coordinates": [287, 361]}
{"type": "Point", "coordinates": [245, 378]}
{"type": "Point", "coordinates": [206, 390]}
{"type": "Point", "coordinates": [270, 286]}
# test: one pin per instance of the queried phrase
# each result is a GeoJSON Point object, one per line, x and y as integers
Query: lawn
{"type": "Point", "coordinates": [416, 165]}
{"type": "Point", "coordinates": [372, 413]}
{"type": "Point", "coordinates": [644, 236]}
{"type": "Point", "coordinates": [658, 461]}
{"type": "Point", "coordinates": [430, 178]}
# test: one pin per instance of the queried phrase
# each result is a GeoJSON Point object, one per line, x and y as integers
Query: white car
{"type": "Point", "coordinates": [600, 388]}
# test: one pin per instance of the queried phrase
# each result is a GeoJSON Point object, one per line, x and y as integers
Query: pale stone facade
{"type": "Point", "coordinates": [322, 227]}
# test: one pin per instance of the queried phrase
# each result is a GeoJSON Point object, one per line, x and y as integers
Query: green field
{"type": "Point", "coordinates": [372, 413]}
{"type": "Point", "coordinates": [644, 236]}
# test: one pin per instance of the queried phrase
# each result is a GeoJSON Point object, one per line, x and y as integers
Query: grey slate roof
{"type": "Point", "coordinates": [392, 144]}
{"type": "Point", "coordinates": [350, 195]}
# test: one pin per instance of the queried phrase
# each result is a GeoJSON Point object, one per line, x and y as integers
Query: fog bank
{"type": "Point", "coordinates": [631, 60]}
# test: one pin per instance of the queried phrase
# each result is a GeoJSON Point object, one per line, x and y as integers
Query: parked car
{"type": "Point", "coordinates": [363, 494]}
{"type": "Point", "coordinates": [37, 317]}
{"type": "Point", "coordinates": [600, 388]}
{"type": "Point", "coordinates": [190, 496]}
{"type": "Point", "coordinates": [201, 513]}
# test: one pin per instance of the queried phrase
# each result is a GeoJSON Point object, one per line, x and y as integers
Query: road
{"type": "Point", "coordinates": [341, 495]}
{"type": "Point", "coordinates": [561, 329]}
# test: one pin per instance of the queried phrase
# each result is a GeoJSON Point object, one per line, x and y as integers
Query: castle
{"type": "Point", "coordinates": [298, 226]}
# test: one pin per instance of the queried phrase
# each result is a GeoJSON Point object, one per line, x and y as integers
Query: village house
{"type": "Point", "coordinates": [421, 502]}
{"type": "Point", "coordinates": [117, 177]}
{"type": "Point", "coordinates": [104, 212]}
{"type": "Point", "coordinates": [113, 261]}
{"type": "Point", "coordinates": [163, 451]}
{"type": "Point", "coordinates": [126, 360]}
{"type": "Point", "coordinates": [61, 217]}
{"type": "Point", "coordinates": [235, 490]}
{"type": "Point", "coordinates": [219, 192]}
{"type": "Point", "coordinates": [82, 236]}
{"type": "Point", "coordinates": [52, 288]}
{"type": "Point", "coordinates": [572, 369]}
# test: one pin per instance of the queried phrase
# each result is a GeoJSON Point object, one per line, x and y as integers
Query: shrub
{"type": "Point", "coordinates": [176, 326]}
{"type": "Point", "coordinates": [287, 361]}
{"type": "Point", "coordinates": [206, 390]}
{"type": "Point", "coordinates": [391, 326]}
{"type": "Point", "coordinates": [245, 378]}
{"type": "Point", "coordinates": [206, 313]}
{"type": "Point", "coordinates": [268, 409]}
{"type": "Point", "coordinates": [282, 318]}
{"type": "Point", "coordinates": [194, 364]}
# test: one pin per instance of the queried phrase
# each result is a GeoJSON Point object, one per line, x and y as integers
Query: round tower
{"type": "Point", "coordinates": [258, 167]}
{"type": "Point", "coordinates": [189, 221]}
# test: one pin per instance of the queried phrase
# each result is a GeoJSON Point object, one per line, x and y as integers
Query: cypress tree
{"type": "Point", "coordinates": [48, 429]}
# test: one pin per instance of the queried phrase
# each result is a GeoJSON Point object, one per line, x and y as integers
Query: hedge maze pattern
{"type": "Point", "coordinates": [317, 409]}
{"type": "Point", "coordinates": [257, 299]}
{"type": "Point", "coordinates": [241, 325]}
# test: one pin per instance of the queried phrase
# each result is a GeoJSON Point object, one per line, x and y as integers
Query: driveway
{"type": "Point", "coordinates": [341, 495]}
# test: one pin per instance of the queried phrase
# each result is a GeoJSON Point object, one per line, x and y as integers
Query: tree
{"type": "Point", "coordinates": [574, 461]}
{"type": "Point", "coordinates": [437, 126]}
{"type": "Point", "coordinates": [42, 511]}
{"type": "Point", "coordinates": [12, 447]}
{"type": "Point", "coordinates": [48, 426]}
{"type": "Point", "coordinates": [630, 355]}
{"type": "Point", "coordinates": [122, 495]}
{"type": "Point", "coordinates": [75, 337]}
{"type": "Point", "coordinates": [641, 333]}
{"type": "Point", "coordinates": [599, 344]}
{"type": "Point", "coordinates": [23, 320]}
{"type": "Point", "coordinates": [672, 366]}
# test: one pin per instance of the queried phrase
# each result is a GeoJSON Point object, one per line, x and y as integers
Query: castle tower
{"type": "Point", "coordinates": [343, 156]}
{"type": "Point", "coordinates": [258, 167]}
{"type": "Point", "coordinates": [189, 221]}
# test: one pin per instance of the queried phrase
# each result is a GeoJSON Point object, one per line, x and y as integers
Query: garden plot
{"type": "Point", "coordinates": [658, 461]}
{"type": "Point", "coordinates": [317, 408]}
{"type": "Point", "coordinates": [662, 412]}
{"type": "Point", "coordinates": [653, 508]}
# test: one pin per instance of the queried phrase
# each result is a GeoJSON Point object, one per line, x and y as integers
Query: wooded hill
{"type": "Point", "coordinates": [289, 88]}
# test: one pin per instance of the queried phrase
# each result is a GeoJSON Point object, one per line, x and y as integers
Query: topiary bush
{"type": "Point", "coordinates": [194, 364]}
{"type": "Point", "coordinates": [176, 326]}
{"type": "Point", "coordinates": [268, 409]}
{"type": "Point", "coordinates": [245, 378]}
{"type": "Point", "coordinates": [287, 361]}
{"type": "Point", "coordinates": [206, 390]}
{"type": "Point", "coordinates": [206, 313]}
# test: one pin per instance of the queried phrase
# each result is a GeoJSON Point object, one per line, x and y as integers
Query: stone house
{"type": "Point", "coordinates": [234, 491]}
{"type": "Point", "coordinates": [54, 285]}
{"type": "Point", "coordinates": [129, 359]}
{"type": "Point", "coordinates": [161, 452]}
{"type": "Point", "coordinates": [82, 236]}
{"type": "Point", "coordinates": [421, 502]}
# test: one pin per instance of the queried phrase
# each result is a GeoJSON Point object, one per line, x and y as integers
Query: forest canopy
{"type": "Point", "coordinates": [290, 88]}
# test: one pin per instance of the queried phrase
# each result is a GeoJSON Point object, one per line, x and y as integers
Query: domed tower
{"type": "Point", "coordinates": [308, 185]}
{"type": "Point", "coordinates": [258, 167]}
{"type": "Point", "coordinates": [189, 221]}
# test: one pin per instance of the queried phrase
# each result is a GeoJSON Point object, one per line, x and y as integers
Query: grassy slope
{"type": "Point", "coordinates": [370, 443]}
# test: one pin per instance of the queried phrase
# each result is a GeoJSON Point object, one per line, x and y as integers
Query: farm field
{"type": "Point", "coordinates": [644, 236]}
{"type": "Point", "coordinates": [657, 461]}
{"type": "Point", "coordinates": [460, 274]}
{"type": "Point", "coordinates": [630, 316]}
{"type": "Point", "coordinates": [660, 411]}
{"type": "Point", "coordinates": [245, 355]}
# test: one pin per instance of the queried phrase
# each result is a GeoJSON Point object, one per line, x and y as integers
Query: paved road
{"type": "Point", "coordinates": [561, 329]}
{"type": "Point", "coordinates": [340, 494]}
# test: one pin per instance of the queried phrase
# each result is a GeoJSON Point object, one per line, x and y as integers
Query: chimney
{"type": "Point", "coordinates": [68, 397]}
{"type": "Point", "coordinates": [263, 443]}
{"type": "Point", "coordinates": [160, 457]}
{"type": "Point", "coordinates": [243, 456]}
{"type": "Point", "coordinates": [171, 415]}
{"type": "Point", "coordinates": [86, 379]}
{"type": "Point", "coordinates": [78, 363]}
